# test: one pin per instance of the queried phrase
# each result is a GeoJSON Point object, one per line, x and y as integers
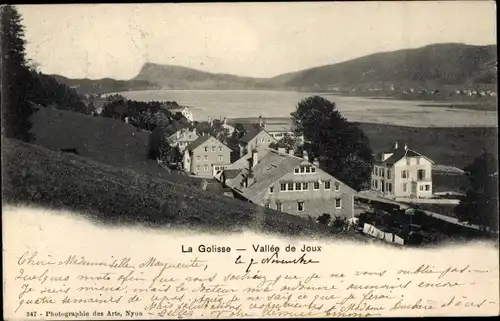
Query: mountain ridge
{"type": "Point", "coordinates": [431, 65]}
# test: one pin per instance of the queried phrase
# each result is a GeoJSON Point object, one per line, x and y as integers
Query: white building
{"type": "Point", "coordinates": [183, 137]}
{"type": "Point", "coordinates": [184, 111]}
{"type": "Point", "coordinates": [402, 173]}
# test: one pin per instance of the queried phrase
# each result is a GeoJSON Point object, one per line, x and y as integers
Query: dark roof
{"type": "Point", "coordinates": [250, 134]}
{"type": "Point", "coordinates": [396, 156]}
{"type": "Point", "coordinates": [199, 142]}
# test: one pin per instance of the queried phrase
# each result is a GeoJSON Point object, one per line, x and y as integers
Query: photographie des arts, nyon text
{"type": "Point", "coordinates": [249, 160]}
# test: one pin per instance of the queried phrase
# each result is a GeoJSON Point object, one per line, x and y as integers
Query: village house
{"type": "Point", "coordinates": [402, 173]}
{"type": "Point", "coordinates": [278, 130]}
{"type": "Point", "coordinates": [184, 111]}
{"type": "Point", "coordinates": [281, 181]}
{"type": "Point", "coordinates": [223, 123]}
{"type": "Point", "coordinates": [255, 138]}
{"type": "Point", "coordinates": [206, 156]}
{"type": "Point", "coordinates": [182, 138]}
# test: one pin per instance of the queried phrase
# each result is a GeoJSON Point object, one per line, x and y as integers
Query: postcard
{"type": "Point", "coordinates": [249, 160]}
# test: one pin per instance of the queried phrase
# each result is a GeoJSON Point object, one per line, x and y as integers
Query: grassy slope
{"type": "Point", "coordinates": [103, 139]}
{"type": "Point", "coordinates": [32, 174]}
{"type": "Point", "coordinates": [449, 146]}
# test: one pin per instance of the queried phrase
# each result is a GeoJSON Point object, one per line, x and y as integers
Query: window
{"type": "Point", "coordinates": [421, 188]}
{"type": "Point", "coordinates": [283, 187]}
{"type": "Point", "coordinates": [389, 174]}
{"type": "Point", "coordinates": [382, 172]}
{"type": "Point", "coordinates": [268, 140]}
{"type": "Point", "coordinates": [267, 205]}
{"type": "Point", "coordinates": [206, 148]}
{"type": "Point", "coordinates": [220, 148]}
{"type": "Point", "coordinates": [305, 186]}
{"type": "Point", "coordinates": [302, 169]}
{"type": "Point", "coordinates": [271, 189]}
{"type": "Point", "coordinates": [220, 158]}
{"type": "Point", "coordinates": [290, 186]}
{"type": "Point", "coordinates": [376, 171]}
{"type": "Point", "coordinates": [418, 160]}
{"type": "Point", "coordinates": [278, 206]}
{"type": "Point", "coordinates": [376, 184]}
{"type": "Point", "coordinates": [216, 168]}
{"type": "Point", "coordinates": [421, 174]}
{"type": "Point", "coordinates": [297, 170]}
{"type": "Point", "coordinates": [390, 187]}
{"type": "Point", "coordinates": [316, 185]}
{"type": "Point", "coordinates": [198, 168]}
{"type": "Point", "coordinates": [205, 157]}
{"type": "Point", "coordinates": [300, 206]}
{"type": "Point", "coordinates": [427, 187]}
{"type": "Point", "coordinates": [298, 186]}
{"type": "Point", "coordinates": [313, 169]}
{"type": "Point", "coordinates": [205, 168]}
{"type": "Point", "coordinates": [405, 187]}
{"type": "Point", "coordinates": [404, 174]}
{"type": "Point", "coordinates": [338, 203]}
{"type": "Point", "coordinates": [337, 186]}
{"type": "Point", "coordinates": [262, 140]}
{"type": "Point", "coordinates": [327, 185]}
{"type": "Point", "coordinates": [198, 158]}
{"type": "Point", "coordinates": [308, 169]}
{"type": "Point", "coordinates": [213, 148]}
{"type": "Point", "coordinates": [407, 161]}
{"type": "Point", "coordinates": [189, 136]}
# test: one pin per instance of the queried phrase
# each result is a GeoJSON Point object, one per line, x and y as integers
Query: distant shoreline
{"type": "Point", "coordinates": [444, 102]}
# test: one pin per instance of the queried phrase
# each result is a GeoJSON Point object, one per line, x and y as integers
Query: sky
{"type": "Point", "coordinates": [247, 39]}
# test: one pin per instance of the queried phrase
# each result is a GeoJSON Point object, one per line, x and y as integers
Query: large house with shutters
{"type": "Point", "coordinates": [206, 156]}
{"type": "Point", "coordinates": [282, 181]}
{"type": "Point", "coordinates": [255, 138]}
{"type": "Point", "coordinates": [402, 173]}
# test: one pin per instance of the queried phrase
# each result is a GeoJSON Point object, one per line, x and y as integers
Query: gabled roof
{"type": "Point", "coordinates": [243, 161]}
{"type": "Point", "coordinates": [269, 169]}
{"type": "Point", "coordinates": [397, 154]}
{"type": "Point", "coordinates": [200, 141]}
{"type": "Point", "coordinates": [251, 133]}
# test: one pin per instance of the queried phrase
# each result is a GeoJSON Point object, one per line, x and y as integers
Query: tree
{"type": "Point", "coordinates": [288, 141]}
{"type": "Point", "coordinates": [159, 148]}
{"type": "Point", "coordinates": [342, 148]}
{"type": "Point", "coordinates": [16, 108]}
{"type": "Point", "coordinates": [324, 219]}
{"type": "Point", "coordinates": [480, 204]}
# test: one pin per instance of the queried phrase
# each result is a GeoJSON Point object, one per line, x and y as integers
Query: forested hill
{"type": "Point", "coordinates": [439, 64]}
{"type": "Point", "coordinates": [434, 65]}
{"type": "Point", "coordinates": [105, 85]}
{"type": "Point", "coordinates": [177, 77]}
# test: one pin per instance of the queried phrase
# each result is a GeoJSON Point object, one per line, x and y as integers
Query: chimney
{"type": "Point", "coordinates": [255, 157]}
{"type": "Point", "coordinates": [178, 134]}
{"type": "Point", "coordinates": [225, 121]}
{"type": "Point", "coordinates": [260, 121]}
{"type": "Point", "coordinates": [395, 145]}
{"type": "Point", "coordinates": [406, 147]}
{"type": "Point", "coordinates": [194, 131]}
{"type": "Point", "coordinates": [316, 162]}
{"type": "Point", "coordinates": [305, 156]}
{"type": "Point", "coordinates": [249, 179]}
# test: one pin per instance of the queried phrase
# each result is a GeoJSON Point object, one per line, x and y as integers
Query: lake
{"type": "Point", "coordinates": [252, 103]}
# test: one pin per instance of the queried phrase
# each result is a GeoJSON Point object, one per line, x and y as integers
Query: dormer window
{"type": "Point", "coordinates": [297, 170]}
